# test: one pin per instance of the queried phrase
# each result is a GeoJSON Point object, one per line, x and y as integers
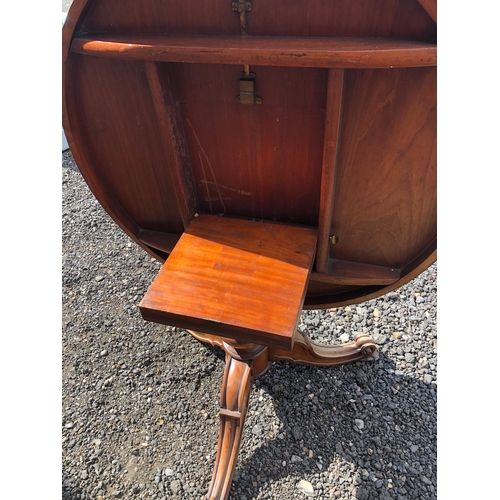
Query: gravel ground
{"type": "Point", "coordinates": [140, 400]}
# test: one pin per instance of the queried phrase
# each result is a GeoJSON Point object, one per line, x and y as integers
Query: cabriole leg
{"type": "Point", "coordinates": [235, 392]}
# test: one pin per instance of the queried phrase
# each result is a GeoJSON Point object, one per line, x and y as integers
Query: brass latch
{"type": "Point", "coordinates": [242, 6]}
{"type": "Point", "coordinates": [247, 90]}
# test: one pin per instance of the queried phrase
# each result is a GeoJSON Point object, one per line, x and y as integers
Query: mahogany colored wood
{"type": "Point", "coordinates": [353, 273]}
{"type": "Point", "coordinates": [235, 393]}
{"type": "Point", "coordinates": [430, 6]}
{"type": "Point", "coordinates": [261, 161]}
{"type": "Point", "coordinates": [249, 280]}
{"type": "Point", "coordinates": [314, 52]}
{"type": "Point", "coordinates": [174, 143]}
{"type": "Point", "coordinates": [342, 143]}
{"type": "Point", "coordinates": [342, 18]}
{"type": "Point", "coordinates": [330, 151]}
{"type": "Point", "coordinates": [307, 352]}
{"type": "Point", "coordinates": [164, 242]}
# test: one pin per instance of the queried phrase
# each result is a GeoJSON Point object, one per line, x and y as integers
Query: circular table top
{"type": "Point", "coordinates": [338, 132]}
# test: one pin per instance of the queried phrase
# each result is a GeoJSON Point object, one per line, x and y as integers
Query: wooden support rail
{"type": "Point", "coordinates": [313, 52]}
{"type": "Point", "coordinates": [328, 169]}
{"type": "Point", "coordinates": [158, 240]}
{"type": "Point", "coordinates": [341, 272]}
{"type": "Point", "coordinates": [174, 142]}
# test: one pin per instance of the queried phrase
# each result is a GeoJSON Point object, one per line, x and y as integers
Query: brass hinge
{"type": "Point", "coordinates": [247, 90]}
{"type": "Point", "coordinates": [242, 6]}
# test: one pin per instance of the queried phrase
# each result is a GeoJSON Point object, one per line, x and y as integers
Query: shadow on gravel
{"type": "Point", "coordinates": [375, 434]}
{"type": "Point", "coordinates": [69, 490]}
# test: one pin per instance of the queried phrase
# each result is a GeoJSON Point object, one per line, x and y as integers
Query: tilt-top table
{"type": "Point", "coordinates": [275, 156]}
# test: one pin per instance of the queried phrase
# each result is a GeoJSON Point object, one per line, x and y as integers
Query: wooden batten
{"type": "Point", "coordinates": [312, 52]}
{"type": "Point", "coordinates": [341, 272]}
{"type": "Point", "coordinates": [330, 153]}
{"type": "Point", "coordinates": [158, 240]}
{"type": "Point", "coordinates": [174, 142]}
{"type": "Point", "coordinates": [430, 6]}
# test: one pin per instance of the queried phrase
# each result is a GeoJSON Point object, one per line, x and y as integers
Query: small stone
{"type": "Point", "coordinates": [295, 459]}
{"type": "Point", "coordinates": [99, 278]}
{"type": "Point", "coordinates": [69, 425]}
{"type": "Point", "coordinates": [344, 337]}
{"type": "Point", "coordinates": [306, 487]}
{"type": "Point", "coordinates": [311, 453]}
{"type": "Point", "coordinates": [414, 448]}
{"type": "Point", "coordinates": [297, 432]}
{"type": "Point", "coordinates": [409, 357]}
{"type": "Point", "coordinates": [359, 423]}
{"type": "Point", "coordinates": [175, 486]}
{"type": "Point", "coordinates": [104, 352]}
{"type": "Point", "coordinates": [376, 313]}
{"type": "Point", "coordinates": [168, 472]}
{"type": "Point", "coordinates": [257, 430]}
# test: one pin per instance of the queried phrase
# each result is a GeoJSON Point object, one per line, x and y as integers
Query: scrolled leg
{"type": "Point", "coordinates": [235, 392]}
{"type": "Point", "coordinates": [307, 352]}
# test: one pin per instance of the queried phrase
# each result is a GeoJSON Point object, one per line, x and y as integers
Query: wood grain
{"type": "Point", "coordinates": [342, 18]}
{"type": "Point", "coordinates": [328, 169]}
{"type": "Point", "coordinates": [169, 122]}
{"type": "Point", "coordinates": [385, 210]}
{"type": "Point", "coordinates": [122, 137]}
{"type": "Point", "coordinates": [261, 161]}
{"type": "Point", "coordinates": [430, 6]}
{"type": "Point", "coordinates": [354, 273]}
{"type": "Point", "coordinates": [313, 52]}
{"type": "Point", "coordinates": [235, 278]}
{"type": "Point", "coordinates": [161, 241]}
{"type": "Point", "coordinates": [264, 161]}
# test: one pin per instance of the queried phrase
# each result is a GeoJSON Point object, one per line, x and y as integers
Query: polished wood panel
{"type": "Point", "coordinates": [385, 199]}
{"type": "Point", "coordinates": [261, 161]}
{"type": "Point", "coordinates": [125, 143]}
{"type": "Point", "coordinates": [342, 18]}
{"type": "Point", "coordinates": [430, 6]}
{"type": "Point", "coordinates": [263, 51]}
{"type": "Point", "coordinates": [328, 169]}
{"type": "Point", "coordinates": [235, 278]}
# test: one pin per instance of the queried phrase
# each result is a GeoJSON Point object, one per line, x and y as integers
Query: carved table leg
{"type": "Point", "coordinates": [235, 392]}
{"type": "Point", "coordinates": [307, 352]}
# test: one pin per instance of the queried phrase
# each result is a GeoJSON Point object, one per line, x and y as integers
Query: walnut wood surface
{"type": "Point", "coordinates": [235, 278]}
{"type": "Point", "coordinates": [314, 52]}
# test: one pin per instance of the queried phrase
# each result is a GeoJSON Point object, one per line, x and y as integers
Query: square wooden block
{"type": "Point", "coordinates": [235, 278]}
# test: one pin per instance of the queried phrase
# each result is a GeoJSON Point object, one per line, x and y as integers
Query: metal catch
{"type": "Point", "coordinates": [247, 90]}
